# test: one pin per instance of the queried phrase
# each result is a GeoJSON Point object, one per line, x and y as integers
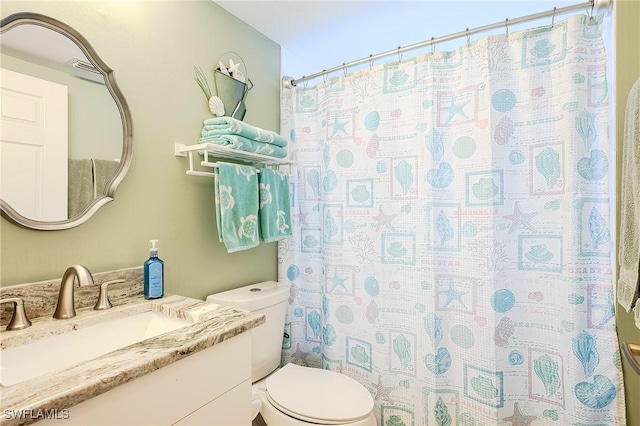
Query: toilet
{"type": "Point", "coordinates": [293, 395]}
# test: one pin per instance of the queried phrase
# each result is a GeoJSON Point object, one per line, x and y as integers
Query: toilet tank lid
{"type": "Point", "coordinates": [252, 297]}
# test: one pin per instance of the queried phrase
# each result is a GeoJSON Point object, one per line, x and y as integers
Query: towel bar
{"type": "Point", "coordinates": [206, 174]}
{"type": "Point", "coordinates": [211, 150]}
{"type": "Point", "coordinates": [629, 351]}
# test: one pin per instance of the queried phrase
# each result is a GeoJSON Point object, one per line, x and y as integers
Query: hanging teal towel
{"type": "Point", "coordinates": [236, 196]}
{"type": "Point", "coordinates": [275, 206]}
{"type": "Point", "coordinates": [103, 172]}
{"type": "Point", "coordinates": [80, 185]}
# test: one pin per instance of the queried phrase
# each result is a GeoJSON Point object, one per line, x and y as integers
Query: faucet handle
{"type": "Point", "coordinates": [103, 298]}
{"type": "Point", "coordinates": [19, 318]}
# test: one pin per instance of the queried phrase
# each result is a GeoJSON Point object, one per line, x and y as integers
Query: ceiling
{"type": "Point", "coordinates": [322, 34]}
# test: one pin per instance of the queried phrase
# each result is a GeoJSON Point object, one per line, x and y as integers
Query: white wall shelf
{"type": "Point", "coordinates": [208, 150]}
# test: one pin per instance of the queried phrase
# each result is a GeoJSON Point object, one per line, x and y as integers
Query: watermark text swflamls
{"type": "Point", "coordinates": [52, 414]}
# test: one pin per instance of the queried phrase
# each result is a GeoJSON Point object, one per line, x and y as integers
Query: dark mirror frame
{"type": "Point", "coordinates": [27, 18]}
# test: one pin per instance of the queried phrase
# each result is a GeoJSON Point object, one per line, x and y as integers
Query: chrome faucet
{"type": "Point", "coordinates": [19, 318]}
{"type": "Point", "coordinates": [66, 304]}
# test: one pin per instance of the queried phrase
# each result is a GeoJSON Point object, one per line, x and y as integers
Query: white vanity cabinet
{"type": "Point", "coordinates": [209, 387]}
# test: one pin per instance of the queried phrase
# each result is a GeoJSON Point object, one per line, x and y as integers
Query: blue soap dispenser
{"type": "Point", "coordinates": [153, 274]}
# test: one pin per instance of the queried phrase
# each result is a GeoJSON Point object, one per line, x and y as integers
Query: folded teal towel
{"type": "Point", "coordinates": [275, 206]}
{"type": "Point", "coordinates": [231, 126]}
{"type": "Point", "coordinates": [248, 145]}
{"type": "Point", "coordinates": [236, 197]}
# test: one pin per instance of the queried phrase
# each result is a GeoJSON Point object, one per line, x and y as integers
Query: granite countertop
{"type": "Point", "coordinates": [210, 324]}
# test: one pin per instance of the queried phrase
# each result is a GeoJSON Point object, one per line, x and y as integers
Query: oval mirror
{"type": "Point", "coordinates": [66, 131]}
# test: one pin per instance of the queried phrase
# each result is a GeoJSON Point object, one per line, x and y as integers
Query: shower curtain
{"type": "Point", "coordinates": [453, 239]}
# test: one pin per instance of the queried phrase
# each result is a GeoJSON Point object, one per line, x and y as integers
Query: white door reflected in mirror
{"type": "Point", "coordinates": [33, 146]}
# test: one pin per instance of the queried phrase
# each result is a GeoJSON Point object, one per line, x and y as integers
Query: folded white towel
{"type": "Point", "coordinates": [629, 244]}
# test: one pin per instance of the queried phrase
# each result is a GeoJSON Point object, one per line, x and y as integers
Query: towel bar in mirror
{"type": "Point", "coordinates": [87, 128]}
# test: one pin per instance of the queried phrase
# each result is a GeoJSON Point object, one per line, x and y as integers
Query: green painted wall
{"type": "Point", "coordinates": [627, 53]}
{"type": "Point", "coordinates": [153, 47]}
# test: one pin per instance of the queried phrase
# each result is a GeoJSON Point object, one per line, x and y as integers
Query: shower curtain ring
{"type": "Point", "coordinates": [468, 39]}
{"type": "Point", "coordinates": [433, 46]}
{"type": "Point", "coordinates": [370, 61]}
{"type": "Point", "coordinates": [399, 55]}
{"type": "Point", "coordinates": [506, 26]}
{"type": "Point", "coordinates": [324, 76]}
{"type": "Point", "coordinates": [553, 17]}
{"type": "Point", "coordinates": [344, 68]}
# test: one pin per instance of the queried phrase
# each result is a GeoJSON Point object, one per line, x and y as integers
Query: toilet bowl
{"type": "Point", "coordinates": [293, 395]}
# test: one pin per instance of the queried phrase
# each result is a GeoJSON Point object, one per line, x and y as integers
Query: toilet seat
{"type": "Point", "coordinates": [318, 396]}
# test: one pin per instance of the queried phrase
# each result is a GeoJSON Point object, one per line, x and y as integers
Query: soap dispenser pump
{"type": "Point", "coordinates": [153, 274]}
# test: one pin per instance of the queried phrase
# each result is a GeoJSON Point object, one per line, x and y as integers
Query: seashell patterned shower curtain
{"type": "Point", "coordinates": [453, 232]}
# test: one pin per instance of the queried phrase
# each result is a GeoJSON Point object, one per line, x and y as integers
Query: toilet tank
{"type": "Point", "coordinates": [270, 299]}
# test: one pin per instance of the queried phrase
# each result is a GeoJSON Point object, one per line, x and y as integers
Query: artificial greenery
{"type": "Point", "coordinates": [201, 79]}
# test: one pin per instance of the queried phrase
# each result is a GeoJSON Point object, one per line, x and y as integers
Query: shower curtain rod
{"type": "Point", "coordinates": [288, 82]}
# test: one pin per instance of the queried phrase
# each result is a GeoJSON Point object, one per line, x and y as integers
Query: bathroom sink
{"type": "Point", "coordinates": [65, 350]}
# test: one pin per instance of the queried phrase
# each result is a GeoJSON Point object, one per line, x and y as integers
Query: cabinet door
{"type": "Point", "coordinates": [231, 409]}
